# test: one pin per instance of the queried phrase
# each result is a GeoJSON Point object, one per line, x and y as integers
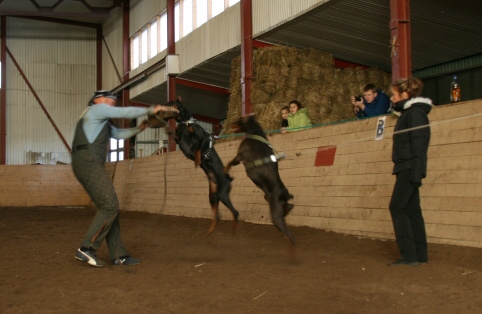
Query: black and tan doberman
{"type": "Point", "coordinates": [260, 161]}
{"type": "Point", "coordinates": [197, 145]}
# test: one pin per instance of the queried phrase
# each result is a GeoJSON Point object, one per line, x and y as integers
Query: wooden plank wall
{"type": "Point", "coordinates": [351, 196]}
{"type": "Point", "coordinates": [40, 185]}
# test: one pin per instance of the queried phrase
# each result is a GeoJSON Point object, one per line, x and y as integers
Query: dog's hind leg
{"type": "Point", "coordinates": [214, 201]}
{"type": "Point", "coordinates": [278, 218]}
{"type": "Point", "coordinates": [224, 197]}
{"type": "Point", "coordinates": [280, 223]}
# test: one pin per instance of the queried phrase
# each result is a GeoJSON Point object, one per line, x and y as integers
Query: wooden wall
{"type": "Point", "coordinates": [351, 196]}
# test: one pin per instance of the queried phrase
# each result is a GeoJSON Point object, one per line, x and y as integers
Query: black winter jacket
{"type": "Point", "coordinates": [410, 147]}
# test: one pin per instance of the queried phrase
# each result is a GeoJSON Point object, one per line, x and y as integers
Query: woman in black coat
{"type": "Point", "coordinates": [410, 145]}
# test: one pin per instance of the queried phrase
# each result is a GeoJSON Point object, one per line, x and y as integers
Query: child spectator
{"type": "Point", "coordinates": [285, 110]}
{"type": "Point", "coordinates": [298, 116]}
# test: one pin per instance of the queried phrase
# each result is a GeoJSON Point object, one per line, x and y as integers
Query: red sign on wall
{"type": "Point", "coordinates": [325, 156]}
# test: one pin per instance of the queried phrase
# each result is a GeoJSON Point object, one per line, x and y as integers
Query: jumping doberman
{"type": "Point", "coordinates": [260, 162]}
{"type": "Point", "coordinates": [197, 145]}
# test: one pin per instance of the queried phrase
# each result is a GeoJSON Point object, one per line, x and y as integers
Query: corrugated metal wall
{"type": "Point", "coordinates": [60, 62]}
{"type": "Point", "coordinates": [268, 13]}
{"type": "Point", "coordinates": [216, 36]}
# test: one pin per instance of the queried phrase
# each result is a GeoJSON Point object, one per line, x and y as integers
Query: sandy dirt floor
{"type": "Point", "coordinates": [182, 271]}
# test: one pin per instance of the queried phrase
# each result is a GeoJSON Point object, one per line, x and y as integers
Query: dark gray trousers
{"type": "Point", "coordinates": [98, 184]}
{"type": "Point", "coordinates": [407, 219]}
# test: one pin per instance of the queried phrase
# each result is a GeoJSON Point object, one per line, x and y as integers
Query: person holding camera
{"type": "Point", "coordinates": [374, 102]}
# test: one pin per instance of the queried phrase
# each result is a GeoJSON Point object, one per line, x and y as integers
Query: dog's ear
{"type": "Point", "coordinates": [179, 99]}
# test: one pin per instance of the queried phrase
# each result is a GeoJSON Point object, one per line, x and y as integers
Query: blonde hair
{"type": "Point", "coordinates": [412, 86]}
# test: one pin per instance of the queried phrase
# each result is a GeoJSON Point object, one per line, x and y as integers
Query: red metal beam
{"type": "Point", "coordinates": [3, 91]}
{"type": "Point", "coordinates": [38, 99]}
{"type": "Point", "coordinates": [126, 66]}
{"type": "Point", "coordinates": [400, 39]}
{"type": "Point", "coordinates": [210, 88]}
{"type": "Point", "coordinates": [56, 20]}
{"type": "Point", "coordinates": [55, 14]}
{"type": "Point", "coordinates": [171, 79]}
{"type": "Point", "coordinates": [246, 55]}
{"type": "Point", "coordinates": [261, 44]}
{"type": "Point", "coordinates": [341, 64]}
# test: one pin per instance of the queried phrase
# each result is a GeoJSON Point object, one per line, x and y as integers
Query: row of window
{"type": "Point", "coordinates": [152, 39]}
{"type": "Point", "coordinates": [188, 15]}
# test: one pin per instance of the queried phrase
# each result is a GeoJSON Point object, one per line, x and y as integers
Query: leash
{"type": "Point", "coordinates": [366, 138]}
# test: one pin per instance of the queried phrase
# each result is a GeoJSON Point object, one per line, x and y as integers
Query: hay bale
{"type": "Point", "coordinates": [282, 74]}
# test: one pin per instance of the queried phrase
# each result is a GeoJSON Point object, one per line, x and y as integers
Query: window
{"type": "Point", "coordinates": [163, 32]}
{"type": "Point", "coordinates": [135, 52]}
{"type": "Point", "coordinates": [201, 12]}
{"type": "Point", "coordinates": [116, 151]}
{"type": "Point", "coordinates": [188, 15]}
{"type": "Point", "coordinates": [217, 7]}
{"type": "Point", "coordinates": [144, 46]}
{"type": "Point", "coordinates": [176, 21]}
{"type": "Point", "coordinates": [153, 39]}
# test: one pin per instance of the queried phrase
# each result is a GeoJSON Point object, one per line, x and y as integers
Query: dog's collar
{"type": "Point", "coordinates": [211, 145]}
{"type": "Point", "coordinates": [211, 142]}
{"type": "Point", "coordinates": [264, 161]}
{"type": "Point", "coordinates": [190, 121]}
{"type": "Point", "coordinates": [258, 138]}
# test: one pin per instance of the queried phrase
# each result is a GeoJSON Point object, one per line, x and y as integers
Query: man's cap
{"type": "Point", "coordinates": [102, 93]}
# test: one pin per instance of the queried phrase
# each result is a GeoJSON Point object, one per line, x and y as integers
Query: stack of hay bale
{"type": "Point", "coordinates": [282, 74]}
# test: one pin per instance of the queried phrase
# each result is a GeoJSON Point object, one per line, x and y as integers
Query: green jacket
{"type": "Point", "coordinates": [299, 119]}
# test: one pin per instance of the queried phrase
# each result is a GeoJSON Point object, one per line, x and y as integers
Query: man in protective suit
{"type": "Point", "coordinates": [89, 149]}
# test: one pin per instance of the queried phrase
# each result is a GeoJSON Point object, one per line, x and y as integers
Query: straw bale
{"type": "Point", "coordinates": [282, 74]}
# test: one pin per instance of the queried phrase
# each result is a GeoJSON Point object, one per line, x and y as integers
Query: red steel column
{"type": "Point", "coordinates": [3, 92]}
{"type": "Point", "coordinates": [400, 39]}
{"type": "Point", "coordinates": [246, 55]}
{"type": "Point", "coordinates": [171, 79]}
{"type": "Point", "coordinates": [126, 67]}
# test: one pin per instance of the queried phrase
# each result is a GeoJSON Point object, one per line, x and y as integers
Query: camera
{"type": "Point", "coordinates": [358, 98]}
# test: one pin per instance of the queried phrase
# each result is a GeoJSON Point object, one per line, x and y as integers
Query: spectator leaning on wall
{"type": "Point", "coordinates": [298, 116]}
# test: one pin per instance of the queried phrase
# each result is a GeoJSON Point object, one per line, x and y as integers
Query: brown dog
{"type": "Point", "coordinates": [261, 165]}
